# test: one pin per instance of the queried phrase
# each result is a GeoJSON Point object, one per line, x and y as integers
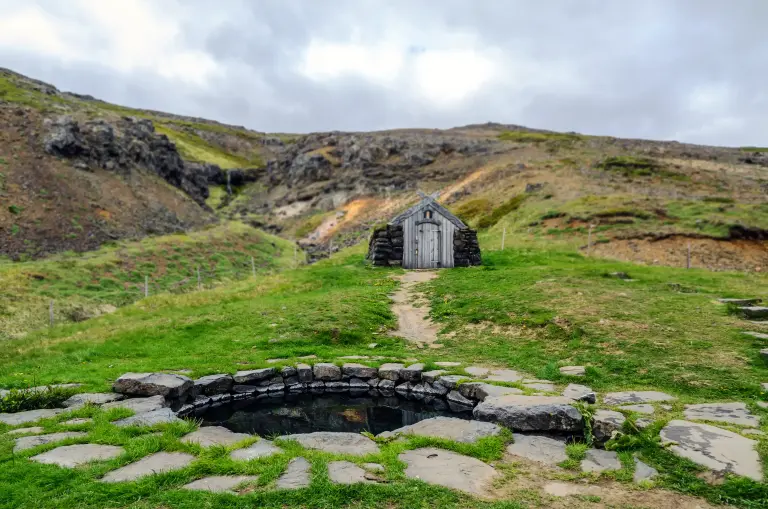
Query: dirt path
{"type": "Point", "coordinates": [412, 310]}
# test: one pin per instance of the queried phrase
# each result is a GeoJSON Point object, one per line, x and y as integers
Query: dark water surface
{"type": "Point", "coordinates": [331, 412]}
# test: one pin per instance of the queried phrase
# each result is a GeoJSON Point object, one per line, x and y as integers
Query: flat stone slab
{"type": "Point", "coordinates": [209, 436]}
{"type": "Point", "coordinates": [153, 384]}
{"type": "Point", "coordinates": [71, 456]}
{"type": "Point", "coordinates": [740, 302]}
{"type": "Point", "coordinates": [162, 416]}
{"type": "Point", "coordinates": [643, 408]}
{"type": "Point", "coordinates": [598, 460]}
{"type": "Point", "coordinates": [345, 472]}
{"type": "Point", "coordinates": [220, 483]}
{"type": "Point", "coordinates": [77, 422]}
{"type": "Point", "coordinates": [754, 312]}
{"type": "Point", "coordinates": [448, 364]}
{"type": "Point", "coordinates": [138, 405]}
{"type": "Point", "coordinates": [92, 398]}
{"type": "Point", "coordinates": [22, 431]}
{"type": "Point", "coordinates": [19, 418]}
{"type": "Point", "coordinates": [24, 443]}
{"type": "Point", "coordinates": [253, 375]}
{"type": "Point", "coordinates": [531, 413]}
{"type": "Point", "coordinates": [504, 375]}
{"type": "Point", "coordinates": [631, 397]}
{"type": "Point", "coordinates": [295, 476]}
{"type": "Point", "coordinates": [260, 449]}
{"type": "Point", "coordinates": [542, 449]}
{"type": "Point", "coordinates": [732, 413]}
{"type": "Point", "coordinates": [477, 371]}
{"type": "Point", "coordinates": [758, 335]}
{"type": "Point", "coordinates": [643, 472]}
{"type": "Point", "coordinates": [715, 448]}
{"type": "Point", "coordinates": [157, 463]}
{"type": "Point", "coordinates": [573, 370]}
{"type": "Point", "coordinates": [450, 470]}
{"type": "Point", "coordinates": [339, 443]}
{"type": "Point", "coordinates": [578, 392]}
{"type": "Point", "coordinates": [450, 428]}
{"type": "Point", "coordinates": [539, 385]}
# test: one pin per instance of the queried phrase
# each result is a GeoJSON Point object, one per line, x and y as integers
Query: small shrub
{"type": "Point", "coordinates": [473, 209]}
{"type": "Point", "coordinates": [553, 214]}
{"type": "Point", "coordinates": [20, 400]}
{"type": "Point", "coordinates": [15, 210]}
{"type": "Point", "coordinates": [719, 199]}
{"type": "Point", "coordinates": [629, 165]}
{"type": "Point", "coordinates": [494, 217]}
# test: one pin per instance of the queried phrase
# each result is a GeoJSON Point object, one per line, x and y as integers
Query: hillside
{"type": "Point", "coordinates": [126, 173]}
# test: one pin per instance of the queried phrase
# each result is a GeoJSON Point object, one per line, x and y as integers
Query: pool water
{"type": "Point", "coordinates": [331, 412]}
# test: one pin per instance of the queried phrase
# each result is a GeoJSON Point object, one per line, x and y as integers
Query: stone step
{"type": "Point", "coordinates": [755, 312]}
{"type": "Point", "coordinates": [741, 302]}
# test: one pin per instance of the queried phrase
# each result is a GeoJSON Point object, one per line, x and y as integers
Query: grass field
{"type": "Point", "coordinates": [528, 309]}
{"type": "Point", "coordinates": [115, 275]}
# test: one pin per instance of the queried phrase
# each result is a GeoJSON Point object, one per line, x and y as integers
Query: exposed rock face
{"type": "Point", "coordinates": [715, 448]}
{"type": "Point", "coordinates": [531, 413]}
{"type": "Point", "coordinates": [121, 147]}
{"type": "Point", "coordinates": [153, 384]}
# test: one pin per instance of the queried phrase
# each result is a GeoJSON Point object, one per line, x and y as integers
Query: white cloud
{"type": "Point", "coordinates": [327, 61]}
{"type": "Point", "coordinates": [123, 35]}
{"type": "Point", "coordinates": [447, 77]}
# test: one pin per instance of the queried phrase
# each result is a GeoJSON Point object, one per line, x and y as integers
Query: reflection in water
{"type": "Point", "coordinates": [334, 412]}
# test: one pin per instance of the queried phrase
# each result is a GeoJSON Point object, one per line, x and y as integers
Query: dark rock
{"type": "Point", "coordinates": [326, 371]}
{"type": "Point", "coordinates": [213, 384]}
{"type": "Point", "coordinates": [153, 384]}
{"type": "Point", "coordinates": [254, 375]}
{"type": "Point", "coordinates": [531, 413]}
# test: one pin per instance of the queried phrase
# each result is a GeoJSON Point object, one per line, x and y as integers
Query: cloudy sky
{"type": "Point", "coordinates": [690, 70]}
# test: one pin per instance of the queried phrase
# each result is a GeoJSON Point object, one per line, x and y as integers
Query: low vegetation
{"type": "Point", "coordinates": [82, 284]}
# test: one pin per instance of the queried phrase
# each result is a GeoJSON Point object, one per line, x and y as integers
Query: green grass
{"type": "Point", "coordinates": [534, 137]}
{"type": "Point", "coordinates": [531, 310]}
{"type": "Point", "coordinates": [511, 205]}
{"type": "Point", "coordinates": [81, 283]}
{"type": "Point", "coordinates": [754, 149]}
{"type": "Point", "coordinates": [194, 148]}
{"type": "Point", "coordinates": [557, 308]}
{"type": "Point", "coordinates": [27, 485]}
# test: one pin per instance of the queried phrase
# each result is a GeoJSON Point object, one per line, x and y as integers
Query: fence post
{"type": "Point", "coordinates": [50, 313]}
{"type": "Point", "coordinates": [146, 286]}
{"type": "Point", "coordinates": [589, 240]}
{"type": "Point", "coordinates": [688, 259]}
{"type": "Point", "coordinates": [253, 267]}
{"type": "Point", "coordinates": [199, 284]}
{"type": "Point", "coordinates": [503, 237]}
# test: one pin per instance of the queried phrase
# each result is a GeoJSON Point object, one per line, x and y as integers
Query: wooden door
{"type": "Point", "coordinates": [428, 246]}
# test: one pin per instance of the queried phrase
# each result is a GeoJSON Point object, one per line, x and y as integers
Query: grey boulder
{"type": "Point", "coordinates": [531, 413]}
{"type": "Point", "coordinates": [153, 384]}
{"type": "Point", "coordinates": [605, 422]}
{"type": "Point", "coordinates": [326, 372]}
{"type": "Point", "coordinates": [211, 385]}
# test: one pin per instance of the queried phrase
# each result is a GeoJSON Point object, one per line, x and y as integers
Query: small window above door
{"type": "Point", "coordinates": [427, 214]}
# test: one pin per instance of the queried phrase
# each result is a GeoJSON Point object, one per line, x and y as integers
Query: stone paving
{"type": "Point", "coordinates": [157, 463]}
{"type": "Point", "coordinates": [449, 469]}
{"type": "Point", "coordinates": [71, 456]}
{"type": "Point", "coordinates": [30, 442]}
{"type": "Point", "coordinates": [296, 475]}
{"type": "Point", "coordinates": [220, 483]}
{"type": "Point", "coordinates": [716, 448]}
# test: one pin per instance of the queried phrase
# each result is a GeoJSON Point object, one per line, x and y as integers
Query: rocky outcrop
{"type": "Point", "coordinates": [121, 147]}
